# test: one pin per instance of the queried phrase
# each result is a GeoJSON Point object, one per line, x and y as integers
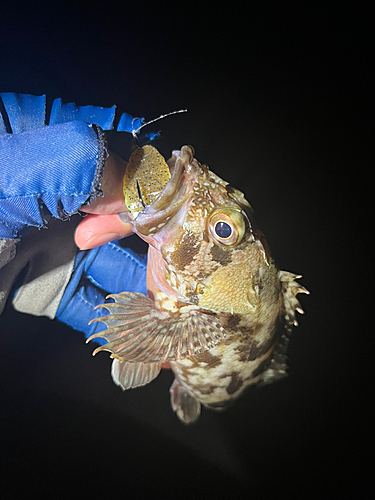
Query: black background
{"type": "Point", "coordinates": [278, 104]}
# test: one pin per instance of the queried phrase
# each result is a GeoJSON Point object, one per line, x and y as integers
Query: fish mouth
{"type": "Point", "coordinates": [170, 199]}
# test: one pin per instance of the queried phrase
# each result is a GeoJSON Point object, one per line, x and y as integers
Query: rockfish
{"type": "Point", "coordinates": [220, 297]}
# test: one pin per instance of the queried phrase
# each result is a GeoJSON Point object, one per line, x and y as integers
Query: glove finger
{"type": "Point", "coordinates": [117, 269]}
{"type": "Point", "coordinates": [80, 309]}
{"type": "Point", "coordinates": [98, 272]}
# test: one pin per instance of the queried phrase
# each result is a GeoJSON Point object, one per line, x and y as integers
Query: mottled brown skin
{"type": "Point", "coordinates": [214, 274]}
{"type": "Point", "coordinates": [221, 374]}
{"type": "Point", "coordinates": [239, 283]}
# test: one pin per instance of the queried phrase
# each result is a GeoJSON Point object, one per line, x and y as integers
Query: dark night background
{"type": "Point", "coordinates": [277, 104]}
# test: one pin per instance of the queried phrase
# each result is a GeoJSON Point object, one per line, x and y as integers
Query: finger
{"type": "Point", "coordinates": [112, 201]}
{"type": "Point", "coordinates": [96, 230]}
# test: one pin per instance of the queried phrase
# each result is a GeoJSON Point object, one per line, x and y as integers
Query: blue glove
{"type": "Point", "coordinates": [53, 170]}
{"type": "Point", "coordinates": [98, 272]}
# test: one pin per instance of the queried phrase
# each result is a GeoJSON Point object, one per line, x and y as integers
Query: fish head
{"type": "Point", "coordinates": [205, 249]}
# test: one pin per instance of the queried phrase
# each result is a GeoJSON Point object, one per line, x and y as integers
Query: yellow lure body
{"type": "Point", "coordinates": [146, 175]}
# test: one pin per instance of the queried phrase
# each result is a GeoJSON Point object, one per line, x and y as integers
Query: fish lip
{"type": "Point", "coordinates": [173, 195]}
{"type": "Point", "coordinates": [177, 164]}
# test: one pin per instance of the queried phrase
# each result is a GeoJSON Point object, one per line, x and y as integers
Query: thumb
{"type": "Point", "coordinates": [96, 230]}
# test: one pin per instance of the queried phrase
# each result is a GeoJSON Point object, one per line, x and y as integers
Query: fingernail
{"type": "Point", "coordinates": [100, 239]}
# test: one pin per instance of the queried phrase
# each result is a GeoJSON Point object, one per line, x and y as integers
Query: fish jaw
{"type": "Point", "coordinates": [156, 271]}
{"type": "Point", "coordinates": [161, 213]}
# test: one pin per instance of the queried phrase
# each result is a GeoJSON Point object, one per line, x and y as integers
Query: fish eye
{"type": "Point", "coordinates": [223, 230]}
{"type": "Point", "coordinates": [226, 226]}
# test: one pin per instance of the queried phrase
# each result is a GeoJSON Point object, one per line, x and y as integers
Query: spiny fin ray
{"type": "Point", "coordinates": [139, 332]}
{"type": "Point", "coordinates": [290, 289]}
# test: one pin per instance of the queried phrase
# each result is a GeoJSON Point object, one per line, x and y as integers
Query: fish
{"type": "Point", "coordinates": [220, 312]}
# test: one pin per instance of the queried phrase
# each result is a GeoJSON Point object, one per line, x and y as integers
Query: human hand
{"type": "Point", "coordinates": [102, 224]}
{"type": "Point", "coordinates": [53, 170]}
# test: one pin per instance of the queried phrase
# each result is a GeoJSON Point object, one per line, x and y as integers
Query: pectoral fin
{"type": "Point", "coordinates": [139, 332]}
{"type": "Point", "coordinates": [130, 375]}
